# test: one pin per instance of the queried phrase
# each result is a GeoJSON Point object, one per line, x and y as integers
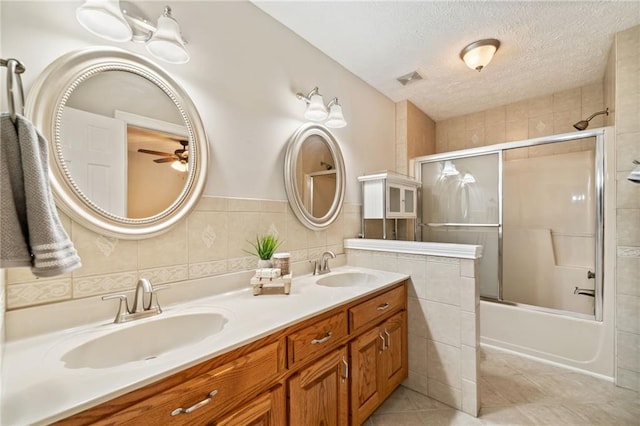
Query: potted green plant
{"type": "Point", "coordinates": [264, 247]}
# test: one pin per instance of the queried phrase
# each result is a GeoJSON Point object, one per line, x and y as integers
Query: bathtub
{"type": "Point", "coordinates": [578, 344]}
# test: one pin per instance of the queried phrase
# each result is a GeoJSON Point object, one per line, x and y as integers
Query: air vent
{"type": "Point", "coordinates": [410, 78]}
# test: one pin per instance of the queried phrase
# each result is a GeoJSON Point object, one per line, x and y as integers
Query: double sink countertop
{"type": "Point", "coordinates": [46, 378]}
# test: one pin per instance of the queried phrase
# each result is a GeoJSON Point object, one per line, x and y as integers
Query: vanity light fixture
{"type": "Point", "coordinates": [317, 111]}
{"type": "Point", "coordinates": [106, 19]}
{"type": "Point", "coordinates": [478, 54]}
{"type": "Point", "coordinates": [449, 169]}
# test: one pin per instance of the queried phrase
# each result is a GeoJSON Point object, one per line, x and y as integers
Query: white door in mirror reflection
{"type": "Point", "coordinates": [95, 152]}
{"type": "Point", "coordinates": [320, 192]}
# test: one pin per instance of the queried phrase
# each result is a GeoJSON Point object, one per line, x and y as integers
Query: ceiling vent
{"type": "Point", "coordinates": [412, 77]}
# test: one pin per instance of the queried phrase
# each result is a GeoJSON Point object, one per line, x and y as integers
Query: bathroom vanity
{"type": "Point", "coordinates": [331, 352]}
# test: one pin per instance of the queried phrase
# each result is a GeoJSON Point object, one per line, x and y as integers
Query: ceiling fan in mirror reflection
{"type": "Point", "coordinates": [179, 159]}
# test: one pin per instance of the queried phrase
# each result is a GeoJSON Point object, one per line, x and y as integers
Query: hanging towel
{"type": "Point", "coordinates": [30, 230]}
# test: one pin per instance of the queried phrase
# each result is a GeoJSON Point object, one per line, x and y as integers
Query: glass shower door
{"type": "Point", "coordinates": [461, 204]}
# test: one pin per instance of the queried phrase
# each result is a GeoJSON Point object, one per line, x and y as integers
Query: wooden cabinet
{"type": "Point", "coordinates": [308, 365]}
{"type": "Point", "coordinates": [266, 410]}
{"type": "Point", "coordinates": [379, 364]}
{"type": "Point", "coordinates": [319, 394]}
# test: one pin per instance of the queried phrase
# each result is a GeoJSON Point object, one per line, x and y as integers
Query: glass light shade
{"type": "Point", "coordinates": [468, 178]}
{"type": "Point", "coordinates": [166, 43]}
{"type": "Point", "coordinates": [316, 111]}
{"type": "Point", "coordinates": [449, 169]}
{"type": "Point", "coordinates": [104, 19]}
{"type": "Point", "coordinates": [180, 166]}
{"type": "Point", "coordinates": [336, 119]}
{"type": "Point", "coordinates": [479, 57]}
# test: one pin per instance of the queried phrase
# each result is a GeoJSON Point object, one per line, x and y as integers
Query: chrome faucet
{"type": "Point", "coordinates": [144, 291]}
{"type": "Point", "coordinates": [321, 266]}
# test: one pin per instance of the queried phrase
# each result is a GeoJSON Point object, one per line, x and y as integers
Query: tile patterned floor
{"type": "Point", "coordinates": [519, 391]}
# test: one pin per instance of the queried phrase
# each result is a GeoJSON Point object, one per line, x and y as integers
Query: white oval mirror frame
{"type": "Point", "coordinates": [294, 192]}
{"type": "Point", "coordinates": [44, 107]}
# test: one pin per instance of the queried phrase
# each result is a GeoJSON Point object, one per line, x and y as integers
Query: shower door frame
{"type": "Point", "coordinates": [599, 135]}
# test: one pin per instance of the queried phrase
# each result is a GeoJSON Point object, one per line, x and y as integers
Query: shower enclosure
{"type": "Point", "coordinates": [537, 208]}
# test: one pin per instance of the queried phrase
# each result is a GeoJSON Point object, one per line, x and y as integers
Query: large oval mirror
{"type": "Point", "coordinates": [128, 151]}
{"type": "Point", "coordinates": [314, 176]}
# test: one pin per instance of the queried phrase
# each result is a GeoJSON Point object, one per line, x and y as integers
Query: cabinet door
{"type": "Point", "coordinates": [265, 410]}
{"type": "Point", "coordinates": [366, 377]}
{"type": "Point", "coordinates": [409, 198]}
{"type": "Point", "coordinates": [394, 201]}
{"type": "Point", "coordinates": [318, 395]}
{"type": "Point", "coordinates": [394, 357]}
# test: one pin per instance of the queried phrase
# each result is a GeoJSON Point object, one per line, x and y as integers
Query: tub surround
{"type": "Point", "coordinates": [32, 366]}
{"type": "Point", "coordinates": [443, 313]}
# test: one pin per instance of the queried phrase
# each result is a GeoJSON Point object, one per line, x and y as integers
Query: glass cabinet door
{"type": "Point", "coordinates": [409, 201]}
{"type": "Point", "coordinates": [394, 202]}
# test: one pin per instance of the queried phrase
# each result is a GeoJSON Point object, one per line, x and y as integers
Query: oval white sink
{"type": "Point", "coordinates": [145, 340]}
{"type": "Point", "coordinates": [347, 279]}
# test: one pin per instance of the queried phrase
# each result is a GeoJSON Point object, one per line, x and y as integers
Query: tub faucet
{"type": "Point", "coordinates": [144, 290]}
{"type": "Point", "coordinates": [584, 292]}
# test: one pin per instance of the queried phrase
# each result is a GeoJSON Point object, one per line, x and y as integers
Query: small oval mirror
{"type": "Point", "coordinates": [128, 151]}
{"type": "Point", "coordinates": [314, 176]}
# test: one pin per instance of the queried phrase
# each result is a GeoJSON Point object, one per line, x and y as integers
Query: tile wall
{"type": "Point", "coordinates": [209, 242]}
{"type": "Point", "coordinates": [443, 302]}
{"type": "Point", "coordinates": [626, 56]}
{"type": "Point", "coordinates": [415, 135]}
{"type": "Point", "coordinates": [531, 118]}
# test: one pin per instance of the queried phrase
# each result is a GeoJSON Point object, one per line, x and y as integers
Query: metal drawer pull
{"type": "Point", "coordinates": [195, 406]}
{"type": "Point", "coordinates": [324, 339]}
{"type": "Point", "coordinates": [384, 343]}
{"type": "Point", "coordinates": [388, 337]}
{"type": "Point", "coordinates": [383, 307]}
{"type": "Point", "coordinates": [346, 369]}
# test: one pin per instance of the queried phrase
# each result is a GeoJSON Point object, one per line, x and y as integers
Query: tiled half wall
{"type": "Point", "coordinates": [443, 323]}
{"type": "Point", "coordinates": [209, 242]}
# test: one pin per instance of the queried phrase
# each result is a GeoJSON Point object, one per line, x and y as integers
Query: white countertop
{"type": "Point", "coordinates": [37, 388]}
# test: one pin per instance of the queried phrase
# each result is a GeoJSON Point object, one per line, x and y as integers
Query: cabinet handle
{"type": "Point", "coordinates": [346, 369]}
{"type": "Point", "coordinates": [195, 406]}
{"type": "Point", "coordinates": [388, 337]}
{"type": "Point", "coordinates": [384, 343]}
{"type": "Point", "coordinates": [383, 306]}
{"type": "Point", "coordinates": [324, 339]}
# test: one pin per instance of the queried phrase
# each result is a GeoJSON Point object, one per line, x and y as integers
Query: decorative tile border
{"type": "Point", "coordinates": [207, 269]}
{"type": "Point", "coordinates": [38, 292]}
{"type": "Point", "coordinates": [628, 251]}
{"type": "Point", "coordinates": [102, 284]}
{"type": "Point", "coordinates": [169, 274]}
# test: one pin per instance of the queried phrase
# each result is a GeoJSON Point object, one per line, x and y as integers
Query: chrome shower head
{"type": "Point", "coordinates": [583, 124]}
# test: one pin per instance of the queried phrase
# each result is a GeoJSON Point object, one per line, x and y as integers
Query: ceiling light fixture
{"type": "Point", "coordinates": [478, 54]}
{"type": "Point", "coordinates": [106, 19]}
{"type": "Point", "coordinates": [180, 165]}
{"type": "Point", "coordinates": [317, 111]}
{"type": "Point", "coordinates": [583, 124]}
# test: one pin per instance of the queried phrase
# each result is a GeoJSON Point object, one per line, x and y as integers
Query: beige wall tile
{"type": "Point", "coordinates": [417, 381]}
{"type": "Point", "coordinates": [517, 130]}
{"type": "Point", "coordinates": [103, 284]}
{"type": "Point", "coordinates": [495, 134]}
{"type": "Point", "coordinates": [469, 329]}
{"type": "Point", "coordinates": [443, 283]}
{"type": "Point", "coordinates": [627, 313]}
{"type": "Point", "coordinates": [207, 203]}
{"type": "Point", "coordinates": [416, 319]}
{"type": "Point", "coordinates": [517, 111]}
{"type": "Point", "coordinates": [475, 137]}
{"type": "Point", "coordinates": [23, 275]}
{"type": "Point", "coordinates": [417, 347]}
{"type": "Point", "coordinates": [336, 233]}
{"type": "Point", "coordinates": [469, 363]}
{"type": "Point", "coordinates": [628, 276]}
{"type": "Point", "coordinates": [443, 322]}
{"type": "Point", "coordinates": [208, 236]}
{"type": "Point", "coordinates": [516, 154]}
{"type": "Point", "coordinates": [467, 268]}
{"type": "Point", "coordinates": [444, 363]}
{"type": "Point", "coordinates": [446, 394]}
{"type": "Point", "coordinates": [166, 274]}
{"type": "Point", "coordinates": [37, 293]}
{"type": "Point", "coordinates": [628, 379]}
{"type": "Point", "coordinates": [628, 193]}
{"type": "Point", "coordinates": [470, 400]}
{"type": "Point", "coordinates": [416, 267]}
{"type": "Point", "coordinates": [541, 125]}
{"type": "Point", "coordinates": [627, 227]}
{"type": "Point", "coordinates": [628, 353]}
{"type": "Point", "coordinates": [540, 106]}
{"type": "Point", "coordinates": [468, 294]}
{"type": "Point", "coordinates": [169, 248]}
{"type": "Point", "coordinates": [593, 94]}
{"type": "Point", "coordinates": [627, 150]}
{"type": "Point", "coordinates": [101, 254]}
{"type": "Point", "coordinates": [273, 223]}
{"type": "Point", "coordinates": [273, 206]}
{"type": "Point", "coordinates": [563, 121]}
{"type": "Point", "coordinates": [243, 205]}
{"type": "Point", "coordinates": [475, 120]}
{"type": "Point", "coordinates": [207, 269]}
{"type": "Point", "coordinates": [567, 100]}
{"type": "Point", "coordinates": [243, 229]}
{"type": "Point", "coordinates": [496, 116]}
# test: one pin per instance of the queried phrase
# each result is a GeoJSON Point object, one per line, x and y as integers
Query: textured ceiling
{"type": "Point", "coordinates": [546, 46]}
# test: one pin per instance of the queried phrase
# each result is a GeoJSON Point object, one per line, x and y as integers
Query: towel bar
{"type": "Point", "coordinates": [14, 85]}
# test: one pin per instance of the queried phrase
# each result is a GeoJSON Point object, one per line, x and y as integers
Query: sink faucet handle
{"type": "Point", "coordinates": [123, 308]}
{"type": "Point", "coordinates": [153, 304]}
{"type": "Point", "coordinates": [316, 266]}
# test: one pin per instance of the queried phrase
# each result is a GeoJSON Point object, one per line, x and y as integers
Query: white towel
{"type": "Point", "coordinates": [30, 230]}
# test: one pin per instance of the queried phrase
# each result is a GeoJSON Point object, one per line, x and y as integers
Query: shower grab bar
{"type": "Point", "coordinates": [471, 225]}
{"type": "Point", "coordinates": [14, 69]}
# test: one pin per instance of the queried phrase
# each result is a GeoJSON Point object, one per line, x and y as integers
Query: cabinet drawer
{"type": "Point", "coordinates": [203, 398]}
{"type": "Point", "coordinates": [316, 338]}
{"type": "Point", "coordinates": [377, 308]}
